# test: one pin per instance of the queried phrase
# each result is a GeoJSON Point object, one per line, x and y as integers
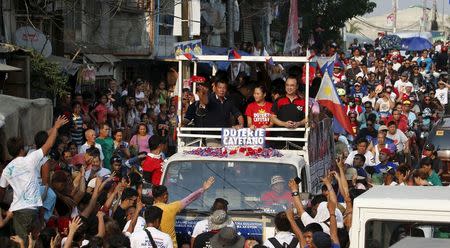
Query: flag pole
{"type": "Point", "coordinates": [307, 87]}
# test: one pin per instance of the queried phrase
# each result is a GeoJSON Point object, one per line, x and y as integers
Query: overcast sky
{"type": "Point", "coordinates": [385, 6]}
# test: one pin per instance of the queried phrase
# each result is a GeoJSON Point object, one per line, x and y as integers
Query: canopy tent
{"type": "Point", "coordinates": [8, 68]}
{"type": "Point", "coordinates": [23, 117]}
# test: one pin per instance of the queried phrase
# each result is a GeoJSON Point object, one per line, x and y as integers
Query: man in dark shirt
{"type": "Point", "coordinates": [214, 109]}
{"type": "Point", "coordinates": [289, 111]}
{"type": "Point", "coordinates": [128, 199]}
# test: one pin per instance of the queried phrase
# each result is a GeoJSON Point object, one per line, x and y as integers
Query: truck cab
{"type": "Point", "coordinates": [383, 216]}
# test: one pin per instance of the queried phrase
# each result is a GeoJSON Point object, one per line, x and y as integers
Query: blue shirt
{"type": "Point", "coordinates": [380, 168]}
{"type": "Point", "coordinates": [426, 60]}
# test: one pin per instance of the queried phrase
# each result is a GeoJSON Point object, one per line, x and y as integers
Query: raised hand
{"type": "Point", "coordinates": [293, 186]}
{"type": "Point", "coordinates": [208, 183]}
{"type": "Point", "coordinates": [74, 225]}
{"type": "Point", "coordinates": [61, 121]}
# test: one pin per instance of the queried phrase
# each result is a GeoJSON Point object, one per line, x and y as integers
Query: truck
{"type": "Point", "coordinates": [384, 215]}
{"type": "Point", "coordinates": [243, 173]}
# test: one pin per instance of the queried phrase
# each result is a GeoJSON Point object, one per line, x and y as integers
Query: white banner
{"type": "Point", "coordinates": [194, 17]}
{"type": "Point", "coordinates": [177, 18]}
{"type": "Point", "coordinates": [291, 42]}
{"type": "Point", "coordinates": [243, 137]}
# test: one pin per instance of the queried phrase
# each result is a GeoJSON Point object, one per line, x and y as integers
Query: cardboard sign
{"type": "Point", "coordinates": [243, 137]}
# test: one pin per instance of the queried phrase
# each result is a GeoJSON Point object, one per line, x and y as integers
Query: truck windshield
{"type": "Point", "coordinates": [245, 185]}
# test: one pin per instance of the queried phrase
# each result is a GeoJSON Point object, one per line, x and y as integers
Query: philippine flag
{"type": "Point", "coordinates": [233, 54]}
{"type": "Point", "coordinates": [270, 61]}
{"type": "Point", "coordinates": [190, 56]}
{"type": "Point", "coordinates": [328, 97]}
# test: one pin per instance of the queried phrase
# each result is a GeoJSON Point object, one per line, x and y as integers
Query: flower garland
{"type": "Point", "coordinates": [222, 152]}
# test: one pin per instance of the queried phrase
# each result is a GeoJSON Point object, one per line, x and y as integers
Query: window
{"type": "Point", "coordinates": [384, 233]}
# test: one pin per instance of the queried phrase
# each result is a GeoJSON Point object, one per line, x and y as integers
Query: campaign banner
{"type": "Point", "coordinates": [193, 47]}
{"type": "Point", "coordinates": [243, 137]}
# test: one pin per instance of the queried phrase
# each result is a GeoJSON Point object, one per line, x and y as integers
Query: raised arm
{"type": "Point", "coordinates": [101, 224]}
{"type": "Point", "coordinates": [296, 196]}
{"type": "Point", "coordinates": [91, 205]}
{"type": "Point", "coordinates": [53, 133]}
{"type": "Point", "coordinates": [295, 229]}
{"type": "Point", "coordinates": [196, 194]}
{"type": "Point", "coordinates": [332, 204]}
{"type": "Point", "coordinates": [139, 207]}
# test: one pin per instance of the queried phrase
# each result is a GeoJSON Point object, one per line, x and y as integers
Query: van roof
{"type": "Point", "coordinates": [413, 242]}
{"type": "Point", "coordinates": [405, 197]}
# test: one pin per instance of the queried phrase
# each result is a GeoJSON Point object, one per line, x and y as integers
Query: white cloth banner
{"type": "Point", "coordinates": [292, 32]}
{"type": "Point", "coordinates": [194, 17]}
{"type": "Point", "coordinates": [177, 18]}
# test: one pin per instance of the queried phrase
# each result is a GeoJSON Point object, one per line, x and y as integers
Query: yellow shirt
{"type": "Point", "coordinates": [170, 212]}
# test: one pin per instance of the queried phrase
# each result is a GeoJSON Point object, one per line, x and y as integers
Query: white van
{"type": "Point", "coordinates": [382, 216]}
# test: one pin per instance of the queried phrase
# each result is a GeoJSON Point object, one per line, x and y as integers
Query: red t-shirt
{"type": "Point", "coordinates": [154, 167]}
{"type": "Point", "coordinates": [101, 112]}
{"type": "Point", "coordinates": [260, 114]}
{"type": "Point", "coordinates": [271, 197]}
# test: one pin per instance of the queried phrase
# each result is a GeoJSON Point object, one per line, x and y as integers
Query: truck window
{"type": "Point", "coordinates": [383, 233]}
{"type": "Point", "coordinates": [242, 184]}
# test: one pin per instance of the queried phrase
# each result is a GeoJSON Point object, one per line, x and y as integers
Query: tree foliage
{"type": "Point", "coordinates": [334, 14]}
{"type": "Point", "coordinates": [48, 76]}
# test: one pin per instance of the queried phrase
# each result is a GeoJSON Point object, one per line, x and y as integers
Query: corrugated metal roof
{"type": "Point", "coordinates": [102, 58]}
{"type": "Point", "coordinates": [7, 68]}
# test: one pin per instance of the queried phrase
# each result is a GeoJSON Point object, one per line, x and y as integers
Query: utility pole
{"type": "Point", "coordinates": [230, 21]}
{"type": "Point", "coordinates": [185, 36]}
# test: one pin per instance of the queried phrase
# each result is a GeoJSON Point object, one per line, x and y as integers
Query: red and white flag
{"type": "Point", "coordinates": [291, 42]}
{"type": "Point", "coordinates": [328, 97]}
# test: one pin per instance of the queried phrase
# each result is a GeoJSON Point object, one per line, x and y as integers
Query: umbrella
{"type": "Point", "coordinates": [416, 44]}
{"type": "Point", "coordinates": [8, 68]}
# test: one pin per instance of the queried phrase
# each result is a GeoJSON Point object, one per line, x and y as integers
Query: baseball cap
{"type": "Point", "coordinates": [357, 84]}
{"type": "Point", "coordinates": [406, 102]}
{"type": "Point", "coordinates": [341, 92]}
{"type": "Point", "coordinates": [276, 179]}
{"type": "Point", "coordinates": [429, 147]}
{"type": "Point", "coordinates": [218, 220]}
{"type": "Point", "coordinates": [383, 128]}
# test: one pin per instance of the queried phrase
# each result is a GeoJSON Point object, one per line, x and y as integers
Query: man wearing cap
{"type": "Point", "coordinates": [218, 220]}
{"type": "Point", "coordinates": [442, 93]}
{"type": "Point", "coordinates": [204, 225]}
{"type": "Point", "coordinates": [278, 194]}
{"type": "Point", "coordinates": [433, 178]}
{"type": "Point", "coordinates": [406, 111]}
{"type": "Point", "coordinates": [402, 83]}
{"type": "Point", "coordinates": [227, 238]}
{"type": "Point", "coordinates": [436, 163]}
{"type": "Point", "coordinates": [338, 74]}
{"type": "Point", "coordinates": [385, 165]}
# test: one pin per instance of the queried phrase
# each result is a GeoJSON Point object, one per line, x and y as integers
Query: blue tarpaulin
{"type": "Point", "coordinates": [416, 44]}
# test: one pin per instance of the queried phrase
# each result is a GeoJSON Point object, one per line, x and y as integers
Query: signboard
{"type": "Point", "coordinates": [320, 153]}
{"type": "Point", "coordinates": [232, 137]}
{"type": "Point", "coordinates": [30, 37]}
{"type": "Point", "coordinates": [192, 47]}
{"type": "Point", "coordinates": [247, 229]}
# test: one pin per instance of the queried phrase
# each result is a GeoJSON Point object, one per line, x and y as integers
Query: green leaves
{"type": "Point", "coordinates": [48, 76]}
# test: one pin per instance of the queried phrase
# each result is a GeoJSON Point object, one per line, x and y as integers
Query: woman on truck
{"type": "Point", "coordinates": [258, 112]}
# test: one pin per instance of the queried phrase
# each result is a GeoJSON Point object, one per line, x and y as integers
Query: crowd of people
{"type": "Point", "coordinates": [93, 179]}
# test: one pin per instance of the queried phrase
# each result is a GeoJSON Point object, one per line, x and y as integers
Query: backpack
{"type": "Point", "coordinates": [276, 243]}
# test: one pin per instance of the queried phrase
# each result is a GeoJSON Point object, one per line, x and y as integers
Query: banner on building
{"type": "Point", "coordinates": [193, 47]}
{"type": "Point", "coordinates": [291, 42]}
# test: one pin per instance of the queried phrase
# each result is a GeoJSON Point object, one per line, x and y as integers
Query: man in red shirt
{"type": "Point", "coordinates": [153, 163]}
{"type": "Point", "coordinates": [278, 194]}
{"type": "Point", "coordinates": [399, 119]}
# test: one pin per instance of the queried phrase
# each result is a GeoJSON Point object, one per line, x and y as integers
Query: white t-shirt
{"type": "Point", "coordinates": [85, 146]}
{"type": "Point", "coordinates": [442, 95]}
{"type": "Point", "coordinates": [370, 160]}
{"type": "Point", "coordinates": [401, 86]}
{"type": "Point", "coordinates": [384, 105]}
{"type": "Point", "coordinates": [40, 164]}
{"type": "Point", "coordinates": [202, 227]}
{"type": "Point", "coordinates": [22, 174]}
{"type": "Point", "coordinates": [283, 238]}
{"type": "Point", "coordinates": [368, 99]}
{"type": "Point", "coordinates": [396, 66]}
{"type": "Point", "coordinates": [140, 239]}
{"type": "Point", "coordinates": [140, 225]}
{"type": "Point", "coordinates": [399, 139]}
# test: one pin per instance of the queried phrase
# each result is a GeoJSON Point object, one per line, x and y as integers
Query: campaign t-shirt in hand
{"type": "Point", "coordinates": [152, 167]}
{"type": "Point", "coordinates": [22, 175]}
{"type": "Point", "coordinates": [260, 114]}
